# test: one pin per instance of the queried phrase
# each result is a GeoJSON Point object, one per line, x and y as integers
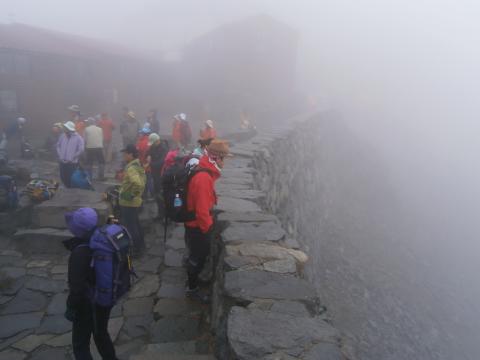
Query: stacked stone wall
{"type": "Point", "coordinates": [263, 307]}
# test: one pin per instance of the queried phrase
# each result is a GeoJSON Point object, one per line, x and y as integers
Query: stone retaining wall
{"type": "Point", "coordinates": [263, 308]}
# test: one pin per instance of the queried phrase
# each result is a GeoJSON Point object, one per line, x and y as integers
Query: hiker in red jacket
{"type": "Point", "coordinates": [201, 200]}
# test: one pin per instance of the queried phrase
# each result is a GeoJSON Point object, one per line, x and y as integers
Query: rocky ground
{"type": "Point", "coordinates": [154, 321]}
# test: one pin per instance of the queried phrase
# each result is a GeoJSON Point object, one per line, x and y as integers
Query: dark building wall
{"type": "Point", "coordinates": [49, 83]}
{"type": "Point", "coordinates": [249, 65]}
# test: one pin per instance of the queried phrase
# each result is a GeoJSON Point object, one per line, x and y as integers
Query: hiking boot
{"type": "Point", "coordinates": [197, 295]}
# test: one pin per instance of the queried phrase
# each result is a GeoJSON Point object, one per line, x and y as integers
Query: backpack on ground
{"type": "Point", "coordinates": [8, 193]}
{"type": "Point", "coordinates": [39, 190]}
{"type": "Point", "coordinates": [81, 180]}
{"type": "Point", "coordinates": [175, 186]}
{"type": "Point", "coordinates": [110, 245]}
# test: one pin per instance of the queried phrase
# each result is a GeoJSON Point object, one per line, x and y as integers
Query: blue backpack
{"type": "Point", "coordinates": [80, 180]}
{"type": "Point", "coordinates": [110, 245]}
{"type": "Point", "coordinates": [8, 193]}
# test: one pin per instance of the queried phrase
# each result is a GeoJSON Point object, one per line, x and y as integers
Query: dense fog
{"type": "Point", "coordinates": [403, 74]}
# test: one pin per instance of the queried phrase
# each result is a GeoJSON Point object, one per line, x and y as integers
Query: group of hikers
{"type": "Point", "coordinates": [181, 179]}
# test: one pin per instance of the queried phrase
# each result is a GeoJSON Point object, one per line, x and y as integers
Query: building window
{"type": "Point", "coordinates": [8, 100]}
{"type": "Point", "coordinates": [6, 63]}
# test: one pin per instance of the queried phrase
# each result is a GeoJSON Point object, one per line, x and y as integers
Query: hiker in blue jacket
{"type": "Point", "coordinates": [87, 318]}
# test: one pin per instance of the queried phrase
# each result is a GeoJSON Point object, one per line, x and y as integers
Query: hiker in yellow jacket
{"type": "Point", "coordinates": [130, 197]}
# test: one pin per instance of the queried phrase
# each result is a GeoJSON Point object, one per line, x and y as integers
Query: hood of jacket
{"type": "Point", "coordinates": [211, 166]}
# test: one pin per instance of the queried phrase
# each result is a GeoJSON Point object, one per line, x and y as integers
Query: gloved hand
{"type": "Point", "coordinates": [70, 314]}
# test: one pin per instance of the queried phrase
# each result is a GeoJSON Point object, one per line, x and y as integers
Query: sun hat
{"type": "Point", "coordinates": [82, 221]}
{"type": "Point", "coordinates": [69, 125]}
{"type": "Point", "coordinates": [153, 138]}
{"type": "Point", "coordinates": [219, 148]}
{"type": "Point", "coordinates": [131, 114]}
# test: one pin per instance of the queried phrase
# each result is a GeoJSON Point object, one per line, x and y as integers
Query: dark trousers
{"type": "Point", "coordinates": [158, 191]}
{"type": "Point", "coordinates": [95, 155]}
{"type": "Point", "coordinates": [92, 319]}
{"type": "Point", "coordinates": [199, 246]}
{"type": "Point", "coordinates": [66, 171]}
{"type": "Point", "coordinates": [129, 218]}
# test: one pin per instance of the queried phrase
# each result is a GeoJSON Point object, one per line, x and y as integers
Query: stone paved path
{"type": "Point", "coordinates": [154, 321]}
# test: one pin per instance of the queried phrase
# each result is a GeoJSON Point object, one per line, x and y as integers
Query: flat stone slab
{"type": "Point", "coordinates": [51, 213]}
{"type": "Point", "coordinates": [173, 276]}
{"type": "Point", "coordinates": [50, 354]}
{"type": "Point", "coordinates": [174, 328]}
{"type": "Point", "coordinates": [265, 251]}
{"type": "Point", "coordinates": [59, 269]}
{"type": "Point", "coordinates": [169, 291]}
{"type": "Point", "coordinates": [46, 285]}
{"type": "Point", "coordinates": [245, 180]}
{"type": "Point", "coordinates": [60, 340]}
{"type": "Point", "coordinates": [173, 258]}
{"type": "Point", "coordinates": [226, 203]}
{"type": "Point", "coordinates": [174, 348]}
{"type": "Point", "coordinates": [13, 324]}
{"type": "Point", "coordinates": [324, 351]}
{"type": "Point", "coordinates": [137, 306]}
{"type": "Point", "coordinates": [44, 240]}
{"type": "Point", "coordinates": [54, 324]}
{"type": "Point", "coordinates": [255, 195]}
{"type": "Point", "coordinates": [253, 334]}
{"type": "Point", "coordinates": [11, 354]}
{"type": "Point", "coordinates": [25, 301]}
{"type": "Point", "coordinates": [31, 342]}
{"type": "Point", "coordinates": [225, 187]}
{"type": "Point", "coordinates": [237, 151]}
{"type": "Point", "coordinates": [253, 232]}
{"type": "Point", "coordinates": [178, 232]}
{"type": "Point", "coordinates": [114, 327]}
{"type": "Point", "coordinates": [136, 326]}
{"type": "Point", "coordinates": [154, 355]}
{"type": "Point", "coordinates": [57, 304]}
{"type": "Point", "coordinates": [145, 287]}
{"type": "Point", "coordinates": [246, 286]}
{"type": "Point", "coordinates": [151, 265]}
{"type": "Point", "coordinates": [168, 307]}
{"type": "Point", "coordinates": [236, 216]}
{"type": "Point", "coordinates": [176, 243]}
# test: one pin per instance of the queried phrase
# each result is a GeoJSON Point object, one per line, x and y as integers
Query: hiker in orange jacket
{"type": "Point", "coordinates": [201, 199]}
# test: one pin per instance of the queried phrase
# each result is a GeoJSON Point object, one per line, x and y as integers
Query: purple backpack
{"type": "Point", "coordinates": [110, 245]}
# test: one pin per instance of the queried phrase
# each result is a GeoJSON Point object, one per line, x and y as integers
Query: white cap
{"type": "Point", "coordinates": [22, 120]}
{"type": "Point", "coordinates": [209, 123]}
{"type": "Point", "coordinates": [183, 116]}
{"type": "Point", "coordinates": [69, 125]}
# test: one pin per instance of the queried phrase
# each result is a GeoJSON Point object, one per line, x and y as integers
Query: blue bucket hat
{"type": "Point", "coordinates": [82, 221]}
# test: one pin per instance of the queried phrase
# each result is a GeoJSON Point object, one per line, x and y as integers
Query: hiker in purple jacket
{"type": "Point", "coordinates": [70, 147]}
{"type": "Point", "coordinates": [87, 317]}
